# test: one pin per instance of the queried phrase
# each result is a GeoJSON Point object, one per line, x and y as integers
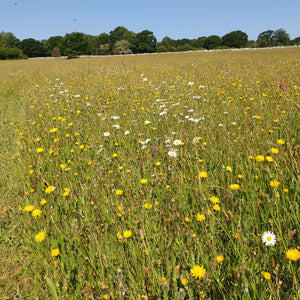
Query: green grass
{"type": "Point", "coordinates": [226, 108]}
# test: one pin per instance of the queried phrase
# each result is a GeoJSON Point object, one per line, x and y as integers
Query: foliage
{"type": "Point", "coordinates": [270, 38]}
{"type": "Point", "coordinates": [8, 39]}
{"type": "Point", "coordinates": [55, 42]}
{"type": "Point", "coordinates": [10, 53]}
{"type": "Point", "coordinates": [212, 42]}
{"type": "Point", "coordinates": [121, 33]}
{"type": "Point", "coordinates": [74, 43]}
{"type": "Point", "coordinates": [33, 48]}
{"type": "Point", "coordinates": [145, 42]}
{"type": "Point", "coordinates": [235, 39]}
{"type": "Point", "coordinates": [104, 49]}
{"type": "Point", "coordinates": [280, 37]}
{"type": "Point", "coordinates": [122, 47]}
{"type": "Point", "coordinates": [55, 52]}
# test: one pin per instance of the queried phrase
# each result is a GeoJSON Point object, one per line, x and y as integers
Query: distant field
{"type": "Point", "coordinates": [167, 176]}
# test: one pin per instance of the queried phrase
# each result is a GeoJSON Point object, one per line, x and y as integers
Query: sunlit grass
{"type": "Point", "coordinates": [153, 176]}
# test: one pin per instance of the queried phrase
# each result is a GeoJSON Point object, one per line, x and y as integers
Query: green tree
{"type": "Point", "coordinates": [7, 39]}
{"type": "Point", "coordinates": [33, 48]}
{"type": "Point", "coordinates": [122, 47]}
{"type": "Point", "coordinates": [10, 53]}
{"type": "Point", "coordinates": [118, 34]}
{"type": "Point", "coordinates": [146, 42]}
{"type": "Point", "coordinates": [235, 39]}
{"type": "Point", "coordinates": [103, 38]}
{"type": "Point", "coordinates": [104, 49]}
{"type": "Point", "coordinates": [199, 42]}
{"type": "Point", "coordinates": [55, 42]}
{"type": "Point", "coordinates": [75, 43]}
{"type": "Point", "coordinates": [167, 42]}
{"type": "Point", "coordinates": [280, 37]}
{"type": "Point", "coordinates": [264, 39]}
{"type": "Point", "coordinates": [55, 52]}
{"type": "Point", "coordinates": [213, 41]}
{"type": "Point", "coordinates": [296, 41]}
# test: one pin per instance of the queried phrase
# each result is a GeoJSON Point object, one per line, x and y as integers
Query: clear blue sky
{"type": "Point", "coordinates": [41, 19]}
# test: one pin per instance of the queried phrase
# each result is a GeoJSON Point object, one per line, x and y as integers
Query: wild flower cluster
{"type": "Point", "coordinates": [162, 176]}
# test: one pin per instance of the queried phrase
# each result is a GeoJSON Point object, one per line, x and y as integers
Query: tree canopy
{"type": "Point", "coordinates": [235, 39]}
{"type": "Point", "coordinates": [123, 41]}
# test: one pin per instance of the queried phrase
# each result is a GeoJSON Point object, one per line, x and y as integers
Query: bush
{"type": "Point", "coordinates": [11, 53]}
{"type": "Point", "coordinates": [55, 52]}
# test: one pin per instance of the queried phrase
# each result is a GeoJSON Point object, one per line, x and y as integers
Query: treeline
{"type": "Point", "coordinates": [123, 41]}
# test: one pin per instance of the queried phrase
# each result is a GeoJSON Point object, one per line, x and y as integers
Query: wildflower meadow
{"type": "Point", "coordinates": [166, 176]}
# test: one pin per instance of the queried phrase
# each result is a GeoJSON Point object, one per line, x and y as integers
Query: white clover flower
{"type": "Point", "coordinates": [269, 238]}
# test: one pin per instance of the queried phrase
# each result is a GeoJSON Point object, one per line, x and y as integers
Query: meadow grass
{"type": "Point", "coordinates": [121, 175]}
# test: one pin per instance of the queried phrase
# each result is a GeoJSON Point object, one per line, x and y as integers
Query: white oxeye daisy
{"type": "Point", "coordinates": [126, 132]}
{"type": "Point", "coordinates": [177, 142]}
{"type": "Point", "coordinates": [172, 153]}
{"type": "Point", "coordinates": [269, 238]}
{"type": "Point", "coordinates": [106, 134]}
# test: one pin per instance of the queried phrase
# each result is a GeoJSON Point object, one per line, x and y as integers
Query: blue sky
{"type": "Point", "coordinates": [41, 19]}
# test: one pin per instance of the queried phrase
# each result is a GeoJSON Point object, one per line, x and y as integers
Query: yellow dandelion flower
{"type": "Point", "coordinates": [158, 163]}
{"type": "Point", "coordinates": [39, 150]}
{"type": "Point", "coordinates": [198, 271]}
{"type": "Point", "coordinates": [234, 187]}
{"type": "Point", "coordinates": [266, 275]}
{"type": "Point", "coordinates": [280, 142]}
{"type": "Point", "coordinates": [240, 176]}
{"type": "Point", "coordinates": [200, 218]}
{"type": "Point", "coordinates": [269, 159]}
{"type": "Point", "coordinates": [229, 169]}
{"type": "Point", "coordinates": [216, 207]}
{"type": "Point", "coordinates": [53, 130]}
{"type": "Point", "coordinates": [28, 208]}
{"type": "Point", "coordinates": [274, 183]}
{"type": "Point", "coordinates": [259, 158]}
{"type": "Point", "coordinates": [292, 254]}
{"type": "Point", "coordinates": [36, 213]}
{"type": "Point", "coordinates": [127, 234]}
{"type": "Point", "coordinates": [214, 199]}
{"type": "Point", "coordinates": [220, 258]}
{"type": "Point", "coordinates": [184, 281]}
{"type": "Point", "coordinates": [66, 192]}
{"type": "Point", "coordinates": [203, 174]}
{"type": "Point", "coordinates": [54, 252]}
{"type": "Point", "coordinates": [115, 155]}
{"type": "Point", "coordinates": [43, 201]}
{"type": "Point", "coordinates": [40, 236]}
{"type": "Point", "coordinates": [187, 219]}
{"type": "Point", "coordinates": [144, 181]}
{"type": "Point", "coordinates": [148, 205]}
{"type": "Point", "coordinates": [119, 192]}
{"type": "Point", "coordinates": [274, 150]}
{"type": "Point", "coordinates": [49, 189]}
